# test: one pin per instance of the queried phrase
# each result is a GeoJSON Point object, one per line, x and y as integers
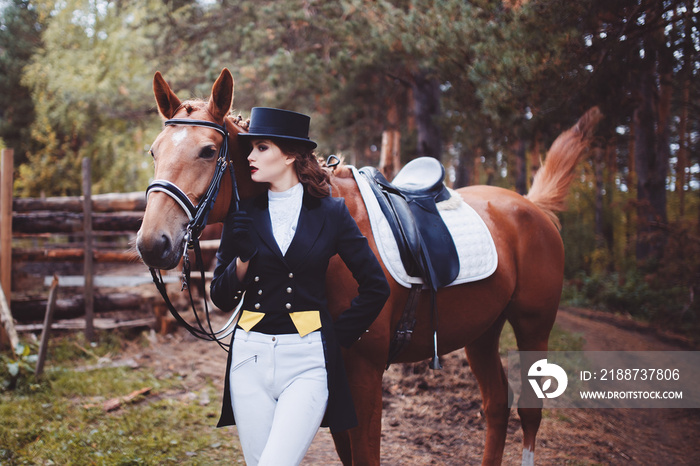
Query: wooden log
{"type": "Point", "coordinates": [115, 236]}
{"type": "Point", "coordinates": [70, 222]}
{"type": "Point", "coordinates": [111, 202]}
{"type": "Point", "coordinates": [7, 177]}
{"type": "Point", "coordinates": [115, 281]}
{"type": "Point", "coordinates": [48, 318]}
{"type": "Point", "coordinates": [32, 309]}
{"type": "Point", "coordinates": [165, 322]}
{"type": "Point", "coordinates": [73, 255]}
{"type": "Point", "coordinates": [209, 244]}
{"type": "Point", "coordinates": [88, 272]}
{"type": "Point", "coordinates": [100, 324]}
{"type": "Point", "coordinates": [8, 324]}
{"type": "Point", "coordinates": [116, 403]}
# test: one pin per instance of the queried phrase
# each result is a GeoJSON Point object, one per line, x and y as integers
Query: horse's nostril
{"type": "Point", "coordinates": [157, 250]}
{"type": "Point", "coordinates": [165, 246]}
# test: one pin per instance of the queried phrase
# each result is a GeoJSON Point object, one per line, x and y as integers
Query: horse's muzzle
{"type": "Point", "coordinates": [159, 250]}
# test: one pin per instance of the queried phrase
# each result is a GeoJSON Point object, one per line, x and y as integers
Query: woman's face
{"type": "Point", "coordinates": [268, 164]}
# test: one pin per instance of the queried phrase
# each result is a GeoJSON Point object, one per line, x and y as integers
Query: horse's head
{"type": "Point", "coordinates": [185, 156]}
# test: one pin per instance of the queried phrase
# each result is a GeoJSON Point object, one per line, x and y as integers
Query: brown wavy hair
{"type": "Point", "coordinates": [308, 168]}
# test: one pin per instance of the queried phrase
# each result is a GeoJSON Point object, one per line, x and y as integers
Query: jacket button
{"type": "Point", "coordinates": [257, 305]}
{"type": "Point", "coordinates": [288, 306]}
{"type": "Point", "coordinates": [259, 291]}
{"type": "Point", "coordinates": [257, 279]}
{"type": "Point", "coordinates": [289, 290]}
{"type": "Point", "coordinates": [291, 275]}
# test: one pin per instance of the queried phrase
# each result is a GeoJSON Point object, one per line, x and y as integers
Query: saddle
{"type": "Point", "coordinates": [410, 206]}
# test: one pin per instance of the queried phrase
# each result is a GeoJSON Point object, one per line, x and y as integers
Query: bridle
{"type": "Point", "coordinates": [198, 216]}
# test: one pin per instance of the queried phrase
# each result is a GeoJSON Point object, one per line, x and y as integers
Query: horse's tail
{"type": "Point", "coordinates": [552, 181]}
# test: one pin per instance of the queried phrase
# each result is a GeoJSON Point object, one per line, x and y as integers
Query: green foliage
{"type": "Point", "coordinates": [20, 35]}
{"type": "Point", "coordinates": [559, 340]}
{"type": "Point", "coordinates": [98, 106]}
{"type": "Point", "coordinates": [17, 369]}
{"type": "Point", "coordinates": [627, 293]}
{"type": "Point", "coordinates": [641, 296]}
{"type": "Point", "coordinates": [62, 421]}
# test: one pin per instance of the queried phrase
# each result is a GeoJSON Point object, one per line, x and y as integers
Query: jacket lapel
{"type": "Point", "coordinates": [311, 220]}
{"type": "Point", "coordinates": [263, 225]}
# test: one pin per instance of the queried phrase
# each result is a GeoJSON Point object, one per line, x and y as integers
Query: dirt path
{"type": "Point", "coordinates": [434, 417]}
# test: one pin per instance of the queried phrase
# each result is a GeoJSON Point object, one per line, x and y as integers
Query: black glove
{"type": "Point", "coordinates": [238, 227]}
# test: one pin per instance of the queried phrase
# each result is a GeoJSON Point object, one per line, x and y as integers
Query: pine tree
{"type": "Point", "coordinates": [20, 31]}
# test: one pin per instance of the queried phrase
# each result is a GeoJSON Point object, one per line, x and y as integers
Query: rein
{"type": "Point", "coordinates": [198, 216]}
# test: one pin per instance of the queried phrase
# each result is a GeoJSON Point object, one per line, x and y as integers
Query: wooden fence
{"type": "Point", "coordinates": [46, 237]}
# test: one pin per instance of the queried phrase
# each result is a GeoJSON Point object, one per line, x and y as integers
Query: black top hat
{"type": "Point", "coordinates": [275, 123]}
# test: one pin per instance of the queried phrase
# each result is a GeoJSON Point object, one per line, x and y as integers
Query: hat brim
{"type": "Point", "coordinates": [248, 136]}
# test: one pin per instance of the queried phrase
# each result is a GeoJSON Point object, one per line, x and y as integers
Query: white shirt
{"type": "Point", "coordinates": [285, 208]}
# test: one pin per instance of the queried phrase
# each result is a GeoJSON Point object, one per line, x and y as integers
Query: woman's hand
{"type": "Point", "coordinates": [240, 226]}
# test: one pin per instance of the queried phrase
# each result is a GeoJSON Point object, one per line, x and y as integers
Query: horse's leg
{"type": "Point", "coordinates": [486, 366]}
{"type": "Point", "coordinates": [365, 376]}
{"type": "Point", "coordinates": [343, 447]}
{"type": "Point", "coordinates": [532, 334]}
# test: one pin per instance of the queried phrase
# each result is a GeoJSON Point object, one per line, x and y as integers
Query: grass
{"type": "Point", "coordinates": [559, 340]}
{"type": "Point", "coordinates": [61, 419]}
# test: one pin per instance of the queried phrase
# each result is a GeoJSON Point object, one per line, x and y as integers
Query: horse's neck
{"type": "Point", "coordinates": [346, 187]}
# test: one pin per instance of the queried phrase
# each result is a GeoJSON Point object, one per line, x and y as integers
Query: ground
{"type": "Point", "coordinates": [434, 417]}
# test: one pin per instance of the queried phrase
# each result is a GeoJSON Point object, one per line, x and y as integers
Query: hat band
{"type": "Point", "coordinates": [275, 131]}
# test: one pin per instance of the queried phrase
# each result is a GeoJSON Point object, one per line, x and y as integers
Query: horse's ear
{"type": "Point", "coordinates": [168, 103]}
{"type": "Point", "coordinates": [221, 95]}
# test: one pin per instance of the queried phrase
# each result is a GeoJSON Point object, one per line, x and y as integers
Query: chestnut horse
{"type": "Point", "coordinates": [524, 290]}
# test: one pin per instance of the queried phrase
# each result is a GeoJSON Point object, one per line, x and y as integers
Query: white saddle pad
{"type": "Point", "coordinates": [477, 253]}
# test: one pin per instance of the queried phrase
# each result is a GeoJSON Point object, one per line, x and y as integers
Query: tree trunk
{"type": "Point", "coordinates": [682, 151]}
{"type": "Point", "coordinates": [464, 175]}
{"type": "Point", "coordinates": [426, 107]}
{"type": "Point", "coordinates": [651, 160]}
{"type": "Point", "coordinates": [598, 173]}
{"type": "Point", "coordinates": [390, 155]}
{"type": "Point", "coordinates": [521, 168]}
{"type": "Point", "coordinates": [610, 199]}
{"type": "Point", "coordinates": [535, 156]}
{"type": "Point", "coordinates": [683, 139]}
{"type": "Point", "coordinates": [644, 146]}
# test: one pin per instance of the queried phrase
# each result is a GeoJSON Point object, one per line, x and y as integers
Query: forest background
{"type": "Point", "coordinates": [484, 86]}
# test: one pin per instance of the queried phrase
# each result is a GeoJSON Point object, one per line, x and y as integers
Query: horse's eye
{"type": "Point", "coordinates": [207, 152]}
{"type": "Point", "coordinates": [150, 152]}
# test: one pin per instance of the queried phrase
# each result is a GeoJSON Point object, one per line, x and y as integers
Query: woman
{"type": "Point", "coordinates": [285, 375]}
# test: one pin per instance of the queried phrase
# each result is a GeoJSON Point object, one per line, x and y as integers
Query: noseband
{"type": "Point", "coordinates": [197, 216]}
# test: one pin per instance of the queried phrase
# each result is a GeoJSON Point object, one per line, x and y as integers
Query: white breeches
{"type": "Point", "coordinates": [279, 391]}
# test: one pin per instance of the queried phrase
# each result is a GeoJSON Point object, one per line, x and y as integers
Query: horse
{"type": "Point", "coordinates": [524, 289]}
